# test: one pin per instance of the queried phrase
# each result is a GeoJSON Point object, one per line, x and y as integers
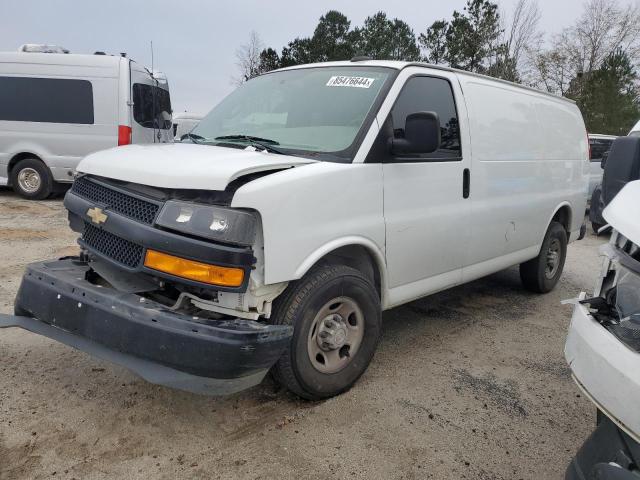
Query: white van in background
{"type": "Point", "coordinates": [599, 145]}
{"type": "Point", "coordinates": [57, 108]}
{"type": "Point", "coordinates": [183, 123]}
{"type": "Point", "coordinates": [304, 204]}
{"type": "Point", "coordinates": [635, 131]}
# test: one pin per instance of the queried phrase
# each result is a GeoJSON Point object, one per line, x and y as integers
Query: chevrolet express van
{"type": "Point", "coordinates": [302, 206]}
{"type": "Point", "coordinates": [56, 108]}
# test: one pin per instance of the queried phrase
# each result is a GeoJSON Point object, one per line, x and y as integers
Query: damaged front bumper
{"type": "Point", "coordinates": [213, 357]}
{"type": "Point", "coordinates": [604, 368]}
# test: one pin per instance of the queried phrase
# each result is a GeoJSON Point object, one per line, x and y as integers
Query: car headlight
{"type": "Point", "coordinates": [217, 223]}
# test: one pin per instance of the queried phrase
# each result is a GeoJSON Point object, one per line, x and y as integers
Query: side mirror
{"type": "Point", "coordinates": [603, 161]}
{"type": "Point", "coordinates": [421, 134]}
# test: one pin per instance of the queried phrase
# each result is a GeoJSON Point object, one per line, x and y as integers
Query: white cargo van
{"type": "Point", "coordinates": [183, 123]}
{"type": "Point", "coordinates": [635, 131]}
{"type": "Point", "coordinates": [308, 201]}
{"type": "Point", "coordinates": [57, 108]}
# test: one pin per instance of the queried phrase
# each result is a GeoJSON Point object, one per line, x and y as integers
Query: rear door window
{"type": "Point", "coordinates": [46, 100]}
{"type": "Point", "coordinates": [151, 106]}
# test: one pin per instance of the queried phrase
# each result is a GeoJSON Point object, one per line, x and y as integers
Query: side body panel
{"type": "Point", "coordinates": [530, 157]}
{"type": "Point", "coordinates": [61, 145]}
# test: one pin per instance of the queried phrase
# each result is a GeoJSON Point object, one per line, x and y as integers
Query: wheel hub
{"type": "Point", "coordinates": [29, 180]}
{"type": "Point", "coordinates": [332, 333]}
{"type": "Point", "coordinates": [335, 335]}
{"type": "Point", "coordinates": [553, 258]}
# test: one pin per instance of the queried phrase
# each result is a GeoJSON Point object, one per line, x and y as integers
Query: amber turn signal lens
{"type": "Point", "coordinates": [197, 271]}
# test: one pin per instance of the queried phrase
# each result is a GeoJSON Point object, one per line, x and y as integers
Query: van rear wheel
{"type": "Point", "coordinates": [542, 273]}
{"type": "Point", "coordinates": [31, 179]}
{"type": "Point", "coordinates": [336, 318]}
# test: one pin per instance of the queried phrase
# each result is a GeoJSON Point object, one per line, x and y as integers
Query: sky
{"type": "Point", "coordinates": [195, 41]}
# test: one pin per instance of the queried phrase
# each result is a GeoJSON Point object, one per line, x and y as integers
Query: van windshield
{"type": "Point", "coordinates": [311, 111]}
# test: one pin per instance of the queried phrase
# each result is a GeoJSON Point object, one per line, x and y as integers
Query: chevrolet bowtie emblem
{"type": "Point", "coordinates": [96, 215]}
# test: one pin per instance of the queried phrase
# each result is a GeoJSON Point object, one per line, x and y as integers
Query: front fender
{"type": "Point", "coordinates": [310, 210]}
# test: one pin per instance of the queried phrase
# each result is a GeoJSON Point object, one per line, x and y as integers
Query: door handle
{"type": "Point", "coordinates": [466, 183]}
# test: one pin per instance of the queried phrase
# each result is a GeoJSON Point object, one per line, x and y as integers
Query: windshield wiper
{"type": "Point", "coordinates": [248, 138]}
{"type": "Point", "coordinates": [193, 137]}
{"type": "Point", "coordinates": [264, 143]}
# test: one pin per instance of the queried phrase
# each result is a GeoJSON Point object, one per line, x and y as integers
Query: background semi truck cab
{"type": "Point", "coordinates": [304, 204]}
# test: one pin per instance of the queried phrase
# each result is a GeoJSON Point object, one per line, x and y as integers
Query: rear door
{"type": "Point", "coordinates": [426, 208]}
{"type": "Point", "coordinates": [151, 111]}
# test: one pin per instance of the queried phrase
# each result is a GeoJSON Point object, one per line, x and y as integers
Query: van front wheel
{"type": "Point", "coordinates": [336, 317]}
{"type": "Point", "coordinates": [31, 179]}
{"type": "Point", "coordinates": [542, 273]}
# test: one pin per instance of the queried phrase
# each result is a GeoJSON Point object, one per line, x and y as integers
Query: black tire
{"type": "Point", "coordinates": [299, 305]}
{"type": "Point", "coordinates": [45, 187]}
{"type": "Point", "coordinates": [535, 274]}
{"type": "Point", "coordinates": [596, 227]}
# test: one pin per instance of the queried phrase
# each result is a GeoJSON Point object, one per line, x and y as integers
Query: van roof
{"type": "Point", "coordinates": [399, 65]}
{"type": "Point", "coordinates": [71, 59]}
{"type": "Point", "coordinates": [187, 116]}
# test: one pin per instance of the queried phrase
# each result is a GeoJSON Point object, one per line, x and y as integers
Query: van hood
{"type": "Point", "coordinates": [622, 211]}
{"type": "Point", "coordinates": [183, 165]}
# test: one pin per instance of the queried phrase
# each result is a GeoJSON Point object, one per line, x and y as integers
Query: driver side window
{"type": "Point", "coordinates": [429, 94]}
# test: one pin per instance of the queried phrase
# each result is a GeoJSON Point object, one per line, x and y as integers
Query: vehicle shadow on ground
{"type": "Point", "coordinates": [7, 193]}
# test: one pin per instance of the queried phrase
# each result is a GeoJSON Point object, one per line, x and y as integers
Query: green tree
{"type": "Point", "coordinates": [297, 52]}
{"type": "Point", "coordinates": [504, 65]}
{"type": "Point", "coordinates": [434, 42]}
{"type": "Point", "coordinates": [332, 38]}
{"type": "Point", "coordinates": [269, 60]}
{"type": "Point", "coordinates": [472, 39]}
{"type": "Point", "coordinates": [385, 39]}
{"type": "Point", "coordinates": [608, 97]}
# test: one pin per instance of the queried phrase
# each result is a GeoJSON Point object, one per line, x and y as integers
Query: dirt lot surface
{"type": "Point", "coordinates": [467, 384]}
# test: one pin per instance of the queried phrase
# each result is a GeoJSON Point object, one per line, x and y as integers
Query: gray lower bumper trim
{"type": "Point", "coordinates": [151, 372]}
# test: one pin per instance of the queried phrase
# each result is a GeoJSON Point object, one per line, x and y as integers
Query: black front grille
{"type": "Point", "coordinates": [122, 251]}
{"type": "Point", "coordinates": [127, 205]}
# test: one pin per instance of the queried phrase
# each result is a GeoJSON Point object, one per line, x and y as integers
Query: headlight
{"type": "Point", "coordinates": [217, 223]}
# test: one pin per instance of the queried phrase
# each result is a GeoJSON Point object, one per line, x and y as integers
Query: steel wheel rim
{"type": "Point", "coordinates": [335, 335]}
{"type": "Point", "coordinates": [29, 180]}
{"type": "Point", "coordinates": [553, 258]}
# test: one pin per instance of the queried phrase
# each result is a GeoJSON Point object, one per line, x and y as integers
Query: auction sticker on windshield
{"type": "Point", "coordinates": [358, 82]}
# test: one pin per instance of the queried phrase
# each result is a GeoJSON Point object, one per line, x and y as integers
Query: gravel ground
{"type": "Point", "coordinates": [467, 384]}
